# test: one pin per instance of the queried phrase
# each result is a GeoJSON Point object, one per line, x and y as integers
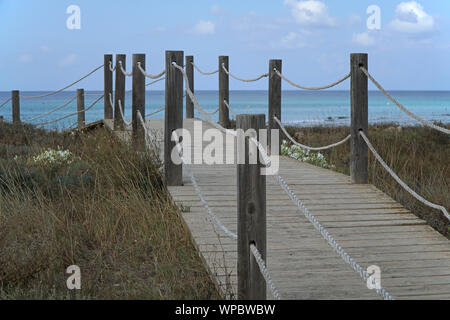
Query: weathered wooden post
{"type": "Point", "coordinates": [224, 93]}
{"type": "Point", "coordinates": [251, 210]}
{"type": "Point", "coordinates": [274, 102]}
{"type": "Point", "coordinates": [15, 100]}
{"type": "Point", "coordinates": [190, 75]}
{"type": "Point", "coordinates": [108, 86]}
{"type": "Point", "coordinates": [80, 108]}
{"type": "Point", "coordinates": [173, 116]}
{"type": "Point", "coordinates": [138, 133]}
{"type": "Point", "coordinates": [359, 118]}
{"type": "Point", "coordinates": [120, 92]}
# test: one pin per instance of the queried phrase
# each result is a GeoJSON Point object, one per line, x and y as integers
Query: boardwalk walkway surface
{"type": "Point", "coordinates": [371, 227]}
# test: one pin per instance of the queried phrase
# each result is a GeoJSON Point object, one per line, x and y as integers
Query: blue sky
{"type": "Point", "coordinates": [314, 38]}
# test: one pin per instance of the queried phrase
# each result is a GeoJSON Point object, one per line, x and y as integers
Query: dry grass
{"type": "Point", "coordinates": [107, 212]}
{"type": "Point", "coordinates": [420, 157]}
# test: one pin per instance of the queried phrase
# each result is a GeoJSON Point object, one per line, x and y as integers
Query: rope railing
{"type": "Point", "coordinates": [127, 122]}
{"type": "Point", "coordinates": [197, 105]}
{"type": "Point", "coordinates": [326, 235]}
{"type": "Point", "coordinates": [399, 181]}
{"type": "Point", "coordinates": [243, 80]}
{"type": "Point", "coordinates": [151, 76]}
{"type": "Point", "coordinates": [51, 111]}
{"type": "Point", "coordinates": [401, 107]}
{"type": "Point", "coordinates": [71, 114]}
{"type": "Point", "coordinates": [266, 160]}
{"type": "Point", "coordinates": [5, 102]}
{"type": "Point", "coordinates": [204, 73]}
{"type": "Point", "coordinates": [62, 89]}
{"type": "Point", "coordinates": [93, 94]}
{"type": "Point", "coordinates": [307, 147]}
{"type": "Point", "coordinates": [310, 88]}
{"type": "Point", "coordinates": [265, 273]}
{"type": "Point", "coordinates": [147, 84]}
{"type": "Point", "coordinates": [155, 112]}
{"type": "Point", "coordinates": [199, 193]}
{"type": "Point", "coordinates": [213, 112]}
{"type": "Point", "coordinates": [111, 99]}
{"type": "Point", "coordinates": [111, 68]}
{"type": "Point", "coordinates": [229, 108]}
{"type": "Point", "coordinates": [147, 132]}
{"type": "Point", "coordinates": [124, 71]}
{"type": "Point", "coordinates": [153, 82]}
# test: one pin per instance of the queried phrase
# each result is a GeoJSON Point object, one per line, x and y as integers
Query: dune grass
{"type": "Point", "coordinates": [419, 155]}
{"type": "Point", "coordinates": [102, 207]}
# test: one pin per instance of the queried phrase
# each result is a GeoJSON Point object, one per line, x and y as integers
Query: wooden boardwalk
{"type": "Point", "coordinates": [371, 227]}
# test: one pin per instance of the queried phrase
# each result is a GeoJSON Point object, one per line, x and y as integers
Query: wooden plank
{"type": "Point", "coordinates": [274, 103]}
{"type": "Point", "coordinates": [251, 209]}
{"type": "Point", "coordinates": [190, 75]}
{"type": "Point", "coordinates": [370, 226]}
{"type": "Point", "coordinates": [138, 102]}
{"type": "Point", "coordinates": [81, 118]}
{"type": "Point", "coordinates": [15, 102]}
{"type": "Point", "coordinates": [173, 116]}
{"type": "Point", "coordinates": [119, 92]}
{"type": "Point", "coordinates": [359, 157]}
{"type": "Point", "coordinates": [224, 93]}
{"type": "Point", "coordinates": [108, 86]}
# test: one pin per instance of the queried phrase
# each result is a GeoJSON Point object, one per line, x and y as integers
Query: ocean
{"type": "Point", "coordinates": [302, 108]}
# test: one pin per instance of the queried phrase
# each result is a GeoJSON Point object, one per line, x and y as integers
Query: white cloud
{"type": "Point", "coordinates": [45, 48]}
{"type": "Point", "coordinates": [25, 58]}
{"type": "Point", "coordinates": [355, 19]}
{"type": "Point", "coordinates": [203, 28]}
{"type": "Point", "coordinates": [364, 39]}
{"type": "Point", "coordinates": [217, 10]}
{"type": "Point", "coordinates": [291, 41]}
{"type": "Point", "coordinates": [67, 61]}
{"type": "Point", "coordinates": [411, 18]}
{"type": "Point", "coordinates": [311, 13]}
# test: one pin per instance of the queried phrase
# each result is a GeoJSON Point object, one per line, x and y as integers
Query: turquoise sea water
{"type": "Point", "coordinates": [298, 107]}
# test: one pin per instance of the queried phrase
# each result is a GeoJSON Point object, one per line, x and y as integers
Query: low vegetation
{"type": "Point", "coordinates": [419, 155]}
{"type": "Point", "coordinates": [91, 201]}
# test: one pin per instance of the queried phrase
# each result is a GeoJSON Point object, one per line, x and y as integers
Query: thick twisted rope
{"type": "Point", "coordinates": [123, 70]}
{"type": "Point", "coordinates": [151, 76]}
{"type": "Point", "coordinates": [197, 105]}
{"type": "Point", "coordinates": [127, 123]}
{"type": "Point", "coordinates": [326, 235]}
{"type": "Point", "coordinates": [147, 84]}
{"type": "Point", "coordinates": [152, 82]}
{"type": "Point", "coordinates": [199, 193]}
{"type": "Point", "coordinates": [71, 114]}
{"type": "Point", "coordinates": [213, 112]}
{"type": "Point", "coordinates": [398, 104]}
{"type": "Point", "coordinates": [243, 80]}
{"type": "Point", "coordinates": [111, 68]}
{"type": "Point", "coordinates": [363, 273]}
{"type": "Point", "coordinates": [66, 87]}
{"type": "Point", "coordinates": [310, 88]}
{"type": "Point", "coordinates": [155, 112]}
{"type": "Point", "coordinates": [5, 102]}
{"type": "Point", "coordinates": [400, 182]}
{"type": "Point", "coordinates": [204, 73]}
{"type": "Point", "coordinates": [229, 108]}
{"type": "Point", "coordinates": [264, 271]}
{"type": "Point", "coordinates": [51, 111]}
{"type": "Point", "coordinates": [306, 147]}
{"type": "Point", "coordinates": [147, 132]}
